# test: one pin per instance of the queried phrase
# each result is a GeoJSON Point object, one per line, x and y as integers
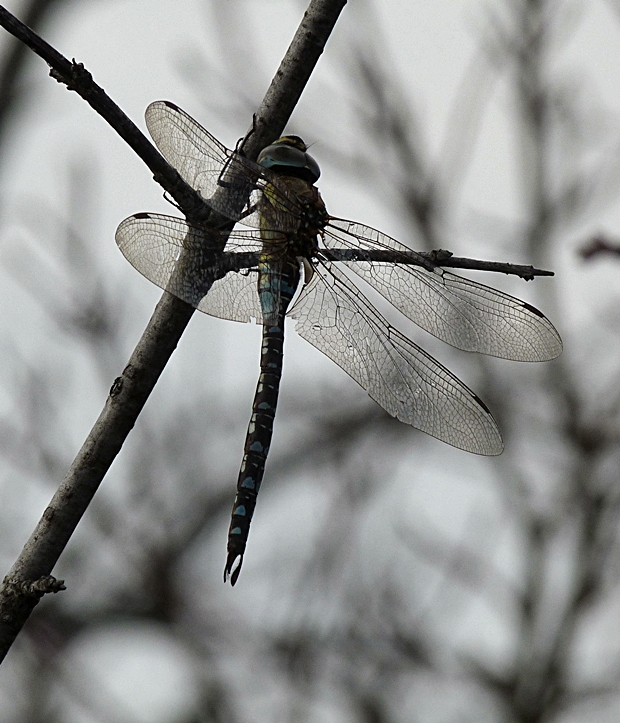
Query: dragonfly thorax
{"type": "Point", "coordinates": [310, 216]}
{"type": "Point", "coordinates": [313, 217]}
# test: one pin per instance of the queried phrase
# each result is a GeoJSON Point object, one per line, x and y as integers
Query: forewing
{"type": "Point", "coordinates": [176, 257]}
{"type": "Point", "coordinates": [406, 381]}
{"type": "Point", "coordinates": [463, 313]}
{"type": "Point", "coordinates": [229, 183]}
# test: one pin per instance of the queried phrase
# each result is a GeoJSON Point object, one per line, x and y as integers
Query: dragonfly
{"type": "Point", "coordinates": [300, 262]}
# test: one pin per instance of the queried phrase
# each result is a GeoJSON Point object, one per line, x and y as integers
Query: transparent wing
{"type": "Point", "coordinates": [175, 256]}
{"type": "Point", "coordinates": [235, 297]}
{"type": "Point", "coordinates": [463, 313]}
{"type": "Point", "coordinates": [229, 183]}
{"type": "Point", "coordinates": [406, 381]}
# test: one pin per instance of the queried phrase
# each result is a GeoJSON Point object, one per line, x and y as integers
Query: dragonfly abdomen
{"type": "Point", "coordinates": [283, 282]}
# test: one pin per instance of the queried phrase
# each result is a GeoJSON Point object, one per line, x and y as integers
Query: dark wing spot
{"type": "Point", "coordinates": [533, 309]}
{"type": "Point", "coordinates": [482, 404]}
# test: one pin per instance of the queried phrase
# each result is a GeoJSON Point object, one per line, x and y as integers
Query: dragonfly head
{"type": "Point", "coordinates": [288, 157]}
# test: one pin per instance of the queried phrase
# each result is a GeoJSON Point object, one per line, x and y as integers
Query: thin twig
{"type": "Point", "coordinates": [235, 261]}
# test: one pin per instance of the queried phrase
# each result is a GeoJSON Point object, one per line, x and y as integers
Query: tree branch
{"type": "Point", "coordinates": [131, 390]}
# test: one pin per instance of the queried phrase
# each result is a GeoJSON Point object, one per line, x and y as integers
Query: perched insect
{"type": "Point", "coordinates": [301, 260]}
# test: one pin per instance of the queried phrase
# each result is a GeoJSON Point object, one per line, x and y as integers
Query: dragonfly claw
{"type": "Point", "coordinates": [230, 563]}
